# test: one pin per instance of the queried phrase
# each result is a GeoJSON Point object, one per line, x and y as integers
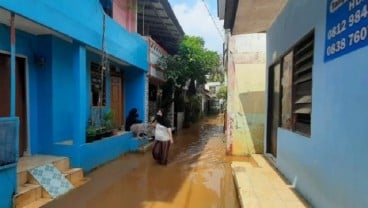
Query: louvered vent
{"type": "Point", "coordinates": [302, 84]}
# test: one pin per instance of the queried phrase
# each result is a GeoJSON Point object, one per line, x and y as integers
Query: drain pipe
{"type": "Point", "coordinates": [12, 66]}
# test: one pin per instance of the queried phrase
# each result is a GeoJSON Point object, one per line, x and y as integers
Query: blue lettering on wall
{"type": "Point", "coordinates": [346, 27]}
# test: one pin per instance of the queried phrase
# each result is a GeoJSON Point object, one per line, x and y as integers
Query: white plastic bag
{"type": "Point", "coordinates": [161, 133]}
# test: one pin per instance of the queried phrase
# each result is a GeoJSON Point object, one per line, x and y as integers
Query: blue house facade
{"type": "Point", "coordinates": [317, 98]}
{"type": "Point", "coordinates": [51, 55]}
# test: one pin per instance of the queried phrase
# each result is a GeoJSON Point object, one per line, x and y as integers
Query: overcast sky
{"type": "Point", "coordinates": [195, 20]}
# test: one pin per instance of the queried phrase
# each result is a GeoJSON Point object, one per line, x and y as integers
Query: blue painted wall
{"type": "Point", "coordinates": [83, 21]}
{"type": "Point", "coordinates": [8, 178]}
{"type": "Point", "coordinates": [97, 153]}
{"type": "Point", "coordinates": [26, 46]}
{"type": "Point", "coordinates": [63, 87]}
{"type": "Point", "coordinates": [330, 168]}
{"type": "Point", "coordinates": [135, 92]}
{"type": "Point", "coordinates": [59, 90]}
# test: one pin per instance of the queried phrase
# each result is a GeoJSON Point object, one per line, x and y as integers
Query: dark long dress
{"type": "Point", "coordinates": [160, 150]}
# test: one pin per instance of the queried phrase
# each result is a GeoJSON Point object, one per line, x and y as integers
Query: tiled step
{"type": "Point", "coordinates": [30, 192]}
{"type": "Point", "coordinates": [27, 193]}
{"type": "Point", "coordinates": [61, 163]}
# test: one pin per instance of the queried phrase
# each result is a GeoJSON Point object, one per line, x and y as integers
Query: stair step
{"type": "Point", "coordinates": [39, 203]}
{"type": "Point", "coordinates": [62, 164]}
{"type": "Point", "coordinates": [27, 193]}
{"type": "Point", "coordinates": [22, 178]}
{"type": "Point", "coordinates": [74, 174]}
{"type": "Point", "coordinates": [81, 182]}
{"type": "Point", "coordinates": [145, 147]}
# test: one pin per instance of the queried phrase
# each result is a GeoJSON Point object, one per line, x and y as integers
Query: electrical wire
{"type": "Point", "coordinates": [220, 32]}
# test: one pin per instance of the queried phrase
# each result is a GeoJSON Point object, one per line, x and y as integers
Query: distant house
{"type": "Point", "coordinates": [163, 34]}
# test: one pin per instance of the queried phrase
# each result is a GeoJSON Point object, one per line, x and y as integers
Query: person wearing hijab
{"type": "Point", "coordinates": [132, 119]}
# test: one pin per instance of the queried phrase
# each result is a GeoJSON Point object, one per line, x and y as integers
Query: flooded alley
{"type": "Point", "coordinates": [198, 175]}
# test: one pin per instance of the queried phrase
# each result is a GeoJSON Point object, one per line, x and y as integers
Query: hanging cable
{"type": "Point", "coordinates": [220, 32]}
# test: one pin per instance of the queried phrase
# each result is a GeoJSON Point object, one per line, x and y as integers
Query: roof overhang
{"type": "Point", "coordinates": [157, 20]}
{"type": "Point", "coordinates": [251, 16]}
{"type": "Point", "coordinates": [29, 26]}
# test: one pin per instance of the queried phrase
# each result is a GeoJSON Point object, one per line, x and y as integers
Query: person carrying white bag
{"type": "Point", "coordinates": [163, 139]}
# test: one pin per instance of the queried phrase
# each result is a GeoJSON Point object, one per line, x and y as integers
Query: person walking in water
{"type": "Point", "coordinates": [163, 139]}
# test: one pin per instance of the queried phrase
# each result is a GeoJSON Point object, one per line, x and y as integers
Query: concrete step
{"type": "Point", "coordinates": [74, 174]}
{"type": "Point", "coordinates": [81, 182]}
{"type": "Point", "coordinates": [62, 164]}
{"type": "Point", "coordinates": [23, 176]}
{"type": "Point", "coordinates": [31, 193]}
{"type": "Point", "coordinates": [145, 147]}
{"type": "Point", "coordinates": [39, 203]}
{"type": "Point", "coordinates": [27, 193]}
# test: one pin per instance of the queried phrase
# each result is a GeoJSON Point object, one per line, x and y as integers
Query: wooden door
{"type": "Point", "coordinates": [117, 100]}
{"type": "Point", "coordinates": [21, 109]}
{"type": "Point", "coordinates": [273, 109]}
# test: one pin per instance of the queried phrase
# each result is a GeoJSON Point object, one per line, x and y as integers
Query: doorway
{"type": "Point", "coordinates": [21, 101]}
{"type": "Point", "coordinates": [117, 99]}
{"type": "Point", "coordinates": [274, 110]}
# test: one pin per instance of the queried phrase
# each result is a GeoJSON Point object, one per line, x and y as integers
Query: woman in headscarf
{"type": "Point", "coordinates": [163, 139]}
{"type": "Point", "coordinates": [132, 119]}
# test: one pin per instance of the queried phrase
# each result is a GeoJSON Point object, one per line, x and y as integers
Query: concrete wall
{"type": "Point", "coordinates": [330, 167]}
{"type": "Point", "coordinates": [246, 88]}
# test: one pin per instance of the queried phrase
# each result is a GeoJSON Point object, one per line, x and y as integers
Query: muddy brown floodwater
{"type": "Point", "coordinates": [198, 175]}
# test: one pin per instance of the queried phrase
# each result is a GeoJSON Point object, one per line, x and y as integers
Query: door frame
{"type": "Point", "coordinates": [26, 68]}
{"type": "Point", "coordinates": [270, 108]}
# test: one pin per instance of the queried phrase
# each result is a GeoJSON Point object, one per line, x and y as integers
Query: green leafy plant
{"type": "Point", "coordinates": [91, 131]}
{"type": "Point", "coordinates": [107, 120]}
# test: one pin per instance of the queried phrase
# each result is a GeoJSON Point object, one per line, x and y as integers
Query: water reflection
{"type": "Point", "coordinates": [198, 175]}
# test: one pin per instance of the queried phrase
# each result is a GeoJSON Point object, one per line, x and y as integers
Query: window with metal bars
{"type": "Point", "coordinates": [98, 86]}
{"type": "Point", "coordinates": [302, 85]}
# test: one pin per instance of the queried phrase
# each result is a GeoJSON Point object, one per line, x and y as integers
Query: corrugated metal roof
{"type": "Point", "coordinates": [157, 20]}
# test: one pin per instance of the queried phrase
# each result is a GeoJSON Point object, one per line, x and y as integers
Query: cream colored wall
{"type": "Point", "coordinates": [246, 90]}
{"type": "Point", "coordinates": [248, 105]}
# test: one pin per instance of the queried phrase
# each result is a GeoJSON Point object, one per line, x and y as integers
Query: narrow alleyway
{"type": "Point", "coordinates": [198, 175]}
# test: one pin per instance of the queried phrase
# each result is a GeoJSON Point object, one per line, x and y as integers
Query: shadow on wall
{"type": "Point", "coordinates": [253, 105]}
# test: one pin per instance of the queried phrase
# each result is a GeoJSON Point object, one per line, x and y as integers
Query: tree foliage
{"type": "Point", "coordinates": [222, 93]}
{"type": "Point", "coordinates": [192, 62]}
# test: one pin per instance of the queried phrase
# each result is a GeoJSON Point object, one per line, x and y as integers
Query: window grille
{"type": "Point", "coordinates": [9, 135]}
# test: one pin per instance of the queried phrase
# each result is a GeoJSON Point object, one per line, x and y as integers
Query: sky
{"type": "Point", "coordinates": [194, 19]}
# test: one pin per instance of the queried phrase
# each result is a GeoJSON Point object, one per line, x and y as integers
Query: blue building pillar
{"type": "Point", "coordinates": [12, 66]}
{"type": "Point", "coordinates": [80, 95]}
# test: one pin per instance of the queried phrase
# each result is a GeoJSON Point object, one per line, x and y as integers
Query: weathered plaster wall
{"type": "Point", "coordinates": [246, 73]}
{"type": "Point", "coordinates": [330, 167]}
